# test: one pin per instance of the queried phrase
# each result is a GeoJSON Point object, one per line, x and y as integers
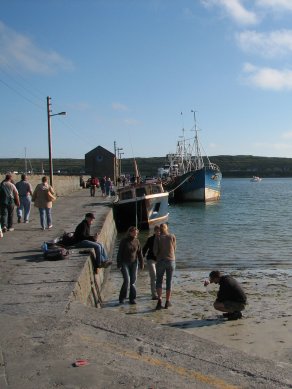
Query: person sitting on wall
{"type": "Point", "coordinates": [231, 298]}
{"type": "Point", "coordinates": [82, 238]}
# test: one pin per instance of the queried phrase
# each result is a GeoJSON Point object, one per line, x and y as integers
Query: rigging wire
{"type": "Point", "coordinates": [39, 95]}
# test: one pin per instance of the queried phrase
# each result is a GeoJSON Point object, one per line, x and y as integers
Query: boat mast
{"type": "Point", "coordinates": [199, 163]}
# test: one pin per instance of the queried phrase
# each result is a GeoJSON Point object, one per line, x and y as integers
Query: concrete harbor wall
{"type": "Point", "coordinates": [89, 286]}
{"type": "Point", "coordinates": [63, 185]}
{"type": "Point", "coordinates": [48, 322]}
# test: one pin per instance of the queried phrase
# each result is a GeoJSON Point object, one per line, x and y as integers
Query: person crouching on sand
{"type": "Point", "coordinates": [231, 298]}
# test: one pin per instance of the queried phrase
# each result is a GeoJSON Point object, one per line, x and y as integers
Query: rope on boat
{"type": "Point", "coordinates": [172, 190]}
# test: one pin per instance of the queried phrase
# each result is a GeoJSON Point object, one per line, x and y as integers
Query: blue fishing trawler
{"type": "Point", "coordinates": [187, 175]}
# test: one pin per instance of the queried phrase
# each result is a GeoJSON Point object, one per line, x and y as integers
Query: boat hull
{"type": "Point", "coordinates": [143, 212]}
{"type": "Point", "coordinates": [199, 185]}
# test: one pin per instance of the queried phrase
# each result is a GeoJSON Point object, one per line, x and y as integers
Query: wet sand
{"type": "Point", "coordinates": [265, 329]}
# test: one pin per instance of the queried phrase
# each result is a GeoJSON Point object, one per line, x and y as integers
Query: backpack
{"type": "Point", "coordinates": [67, 239]}
{"type": "Point", "coordinates": [6, 196]}
{"type": "Point", "coordinates": [56, 254]}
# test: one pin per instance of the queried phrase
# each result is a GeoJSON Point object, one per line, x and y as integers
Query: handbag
{"type": "Point", "coordinates": [51, 197]}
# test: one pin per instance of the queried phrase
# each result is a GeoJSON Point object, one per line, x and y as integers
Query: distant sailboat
{"type": "Point", "coordinates": [256, 179]}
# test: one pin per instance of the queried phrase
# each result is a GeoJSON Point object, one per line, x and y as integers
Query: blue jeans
{"type": "Point", "coordinates": [151, 264]}
{"type": "Point", "coordinates": [25, 204]}
{"type": "Point", "coordinates": [45, 217]}
{"type": "Point", "coordinates": [100, 253]}
{"type": "Point", "coordinates": [164, 266]}
{"type": "Point", "coordinates": [7, 215]}
{"type": "Point", "coordinates": [129, 272]}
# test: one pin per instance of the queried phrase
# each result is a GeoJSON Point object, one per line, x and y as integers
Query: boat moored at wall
{"type": "Point", "coordinates": [188, 176]}
{"type": "Point", "coordinates": [142, 205]}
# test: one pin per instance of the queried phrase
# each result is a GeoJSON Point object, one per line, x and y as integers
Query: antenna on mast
{"type": "Point", "coordinates": [183, 126]}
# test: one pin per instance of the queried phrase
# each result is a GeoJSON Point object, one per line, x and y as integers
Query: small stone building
{"type": "Point", "coordinates": [100, 162]}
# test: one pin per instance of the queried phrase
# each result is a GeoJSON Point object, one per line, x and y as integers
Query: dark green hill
{"type": "Point", "coordinates": [231, 166]}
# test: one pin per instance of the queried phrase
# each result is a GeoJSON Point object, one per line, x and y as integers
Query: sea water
{"type": "Point", "coordinates": [247, 234]}
{"type": "Point", "coordinates": [249, 228]}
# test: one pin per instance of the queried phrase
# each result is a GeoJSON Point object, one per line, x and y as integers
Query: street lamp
{"type": "Point", "coordinates": [119, 160]}
{"type": "Point", "coordinates": [120, 163]}
{"type": "Point", "coordinates": [49, 136]}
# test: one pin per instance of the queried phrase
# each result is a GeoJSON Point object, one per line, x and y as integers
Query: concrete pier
{"type": "Point", "coordinates": [49, 319]}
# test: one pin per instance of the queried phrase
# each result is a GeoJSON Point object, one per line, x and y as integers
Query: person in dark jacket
{"type": "Point", "coordinates": [8, 199]}
{"type": "Point", "coordinates": [129, 253]}
{"type": "Point", "coordinates": [231, 298]}
{"type": "Point", "coordinates": [83, 239]}
{"type": "Point", "coordinates": [151, 260]}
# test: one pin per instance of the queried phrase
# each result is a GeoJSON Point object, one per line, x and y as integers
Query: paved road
{"type": "Point", "coordinates": [42, 334]}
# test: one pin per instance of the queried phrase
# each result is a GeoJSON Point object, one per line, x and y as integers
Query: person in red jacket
{"type": "Point", "coordinates": [94, 183]}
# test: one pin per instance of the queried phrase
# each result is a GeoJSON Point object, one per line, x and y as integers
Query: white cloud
{"type": "Point", "coordinates": [234, 9]}
{"type": "Point", "coordinates": [132, 122]}
{"type": "Point", "coordinates": [277, 5]}
{"type": "Point", "coordinates": [268, 78]}
{"type": "Point", "coordinates": [119, 107]}
{"type": "Point", "coordinates": [286, 135]}
{"type": "Point", "coordinates": [19, 50]}
{"type": "Point", "coordinates": [272, 44]}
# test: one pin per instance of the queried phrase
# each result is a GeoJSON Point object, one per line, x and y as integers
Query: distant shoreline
{"type": "Point", "coordinates": [238, 166]}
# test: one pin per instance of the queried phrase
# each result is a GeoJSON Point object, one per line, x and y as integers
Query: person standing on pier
{"type": "Point", "coordinates": [164, 249]}
{"type": "Point", "coordinates": [8, 199]}
{"type": "Point", "coordinates": [25, 192]}
{"type": "Point", "coordinates": [129, 253]}
{"type": "Point", "coordinates": [151, 260]}
{"type": "Point", "coordinates": [43, 197]}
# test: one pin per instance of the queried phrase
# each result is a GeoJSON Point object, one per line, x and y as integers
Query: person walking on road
{"type": "Point", "coordinates": [231, 298]}
{"type": "Point", "coordinates": [108, 187]}
{"type": "Point", "coordinates": [42, 197]}
{"type": "Point", "coordinates": [151, 261]}
{"type": "Point", "coordinates": [94, 184]}
{"type": "Point", "coordinates": [8, 199]}
{"type": "Point", "coordinates": [129, 253]}
{"type": "Point", "coordinates": [164, 249]}
{"type": "Point", "coordinates": [25, 192]}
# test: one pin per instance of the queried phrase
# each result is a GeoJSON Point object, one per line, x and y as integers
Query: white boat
{"type": "Point", "coordinates": [140, 204]}
{"type": "Point", "coordinates": [187, 175]}
{"type": "Point", "coordinates": [255, 179]}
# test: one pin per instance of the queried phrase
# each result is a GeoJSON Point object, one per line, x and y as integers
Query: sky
{"type": "Point", "coordinates": [129, 73]}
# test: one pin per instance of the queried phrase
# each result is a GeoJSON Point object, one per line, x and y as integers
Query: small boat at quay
{"type": "Point", "coordinates": [256, 179]}
{"type": "Point", "coordinates": [188, 176]}
{"type": "Point", "coordinates": [140, 204]}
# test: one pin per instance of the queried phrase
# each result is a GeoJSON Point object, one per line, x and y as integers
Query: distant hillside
{"type": "Point", "coordinates": [231, 166]}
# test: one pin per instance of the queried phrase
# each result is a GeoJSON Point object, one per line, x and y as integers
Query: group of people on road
{"type": "Point", "coordinates": [159, 251]}
{"type": "Point", "coordinates": [105, 184]}
{"type": "Point", "coordinates": [21, 195]}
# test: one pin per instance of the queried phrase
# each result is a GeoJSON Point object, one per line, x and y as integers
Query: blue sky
{"type": "Point", "coordinates": [124, 70]}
